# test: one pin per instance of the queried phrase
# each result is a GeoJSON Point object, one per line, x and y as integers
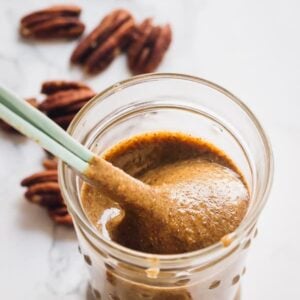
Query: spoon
{"type": "Point", "coordinates": [165, 226]}
{"type": "Point", "coordinates": [124, 189]}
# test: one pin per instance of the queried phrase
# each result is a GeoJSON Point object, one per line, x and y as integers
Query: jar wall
{"type": "Point", "coordinates": [110, 278]}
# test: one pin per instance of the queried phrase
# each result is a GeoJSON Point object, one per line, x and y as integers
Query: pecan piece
{"type": "Point", "coordinates": [64, 99]}
{"type": "Point", "coordinates": [61, 21]}
{"type": "Point", "coordinates": [148, 47]}
{"type": "Point", "coordinates": [61, 216]}
{"type": "Point", "coordinates": [44, 176]}
{"type": "Point", "coordinates": [7, 127]}
{"type": "Point", "coordinates": [53, 86]}
{"type": "Point", "coordinates": [63, 116]}
{"type": "Point", "coordinates": [105, 42]}
{"type": "Point", "coordinates": [51, 12]}
{"type": "Point", "coordinates": [44, 193]}
{"type": "Point", "coordinates": [43, 189]}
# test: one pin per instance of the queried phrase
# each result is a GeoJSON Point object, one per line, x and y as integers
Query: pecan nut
{"type": "Point", "coordinates": [44, 176]}
{"type": "Point", "coordinates": [60, 21]}
{"type": "Point", "coordinates": [52, 86]}
{"type": "Point", "coordinates": [7, 127]}
{"type": "Point", "coordinates": [105, 42]}
{"type": "Point", "coordinates": [43, 189]}
{"type": "Point", "coordinates": [64, 99]}
{"type": "Point", "coordinates": [148, 47]}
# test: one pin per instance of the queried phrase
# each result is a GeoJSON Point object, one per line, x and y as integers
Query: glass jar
{"type": "Point", "coordinates": [195, 106]}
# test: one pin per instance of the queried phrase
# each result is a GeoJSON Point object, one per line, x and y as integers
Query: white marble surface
{"type": "Point", "coordinates": [250, 47]}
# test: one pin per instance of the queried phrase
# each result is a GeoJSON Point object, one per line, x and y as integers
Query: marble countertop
{"type": "Point", "coordinates": [250, 47]}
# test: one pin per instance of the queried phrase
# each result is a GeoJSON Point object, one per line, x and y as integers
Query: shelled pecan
{"type": "Point", "coordinates": [96, 51]}
{"type": "Point", "coordinates": [8, 128]}
{"type": "Point", "coordinates": [43, 189]}
{"type": "Point", "coordinates": [64, 99]}
{"type": "Point", "coordinates": [53, 86]}
{"type": "Point", "coordinates": [60, 21]}
{"type": "Point", "coordinates": [148, 47]}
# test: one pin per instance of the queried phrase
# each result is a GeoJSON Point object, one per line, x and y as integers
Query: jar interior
{"type": "Point", "coordinates": [183, 104]}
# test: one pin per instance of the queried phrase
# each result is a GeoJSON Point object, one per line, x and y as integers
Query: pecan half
{"type": "Point", "coordinates": [64, 99]}
{"type": "Point", "coordinates": [51, 12]}
{"type": "Point", "coordinates": [45, 194]}
{"type": "Point", "coordinates": [44, 176]}
{"type": "Point", "coordinates": [52, 86]}
{"type": "Point", "coordinates": [43, 189]}
{"type": "Point", "coordinates": [105, 42]}
{"type": "Point", "coordinates": [61, 21]}
{"type": "Point", "coordinates": [148, 47]}
{"type": "Point", "coordinates": [6, 127]}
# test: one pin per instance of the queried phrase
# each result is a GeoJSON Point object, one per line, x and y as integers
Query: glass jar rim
{"type": "Point", "coordinates": [217, 248]}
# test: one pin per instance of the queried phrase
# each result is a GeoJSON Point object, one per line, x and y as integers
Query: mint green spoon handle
{"type": "Point", "coordinates": [42, 122]}
{"type": "Point", "coordinates": [34, 124]}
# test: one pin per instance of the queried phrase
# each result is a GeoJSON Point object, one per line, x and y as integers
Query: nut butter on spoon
{"type": "Point", "coordinates": [189, 194]}
{"type": "Point", "coordinates": [170, 224]}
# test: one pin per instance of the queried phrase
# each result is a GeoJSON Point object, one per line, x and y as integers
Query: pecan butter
{"type": "Point", "coordinates": [203, 186]}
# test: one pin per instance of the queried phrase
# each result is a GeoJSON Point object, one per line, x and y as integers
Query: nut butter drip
{"type": "Point", "coordinates": [198, 194]}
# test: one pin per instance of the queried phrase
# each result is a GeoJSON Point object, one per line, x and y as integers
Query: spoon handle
{"type": "Point", "coordinates": [32, 123]}
{"type": "Point", "coordinates": [41, 122]}
{"type": "Point", "coordinates": [41, 138]}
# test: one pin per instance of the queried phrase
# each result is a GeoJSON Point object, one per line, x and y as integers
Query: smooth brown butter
{"type": "Point", "coordinates": [203, 187]}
